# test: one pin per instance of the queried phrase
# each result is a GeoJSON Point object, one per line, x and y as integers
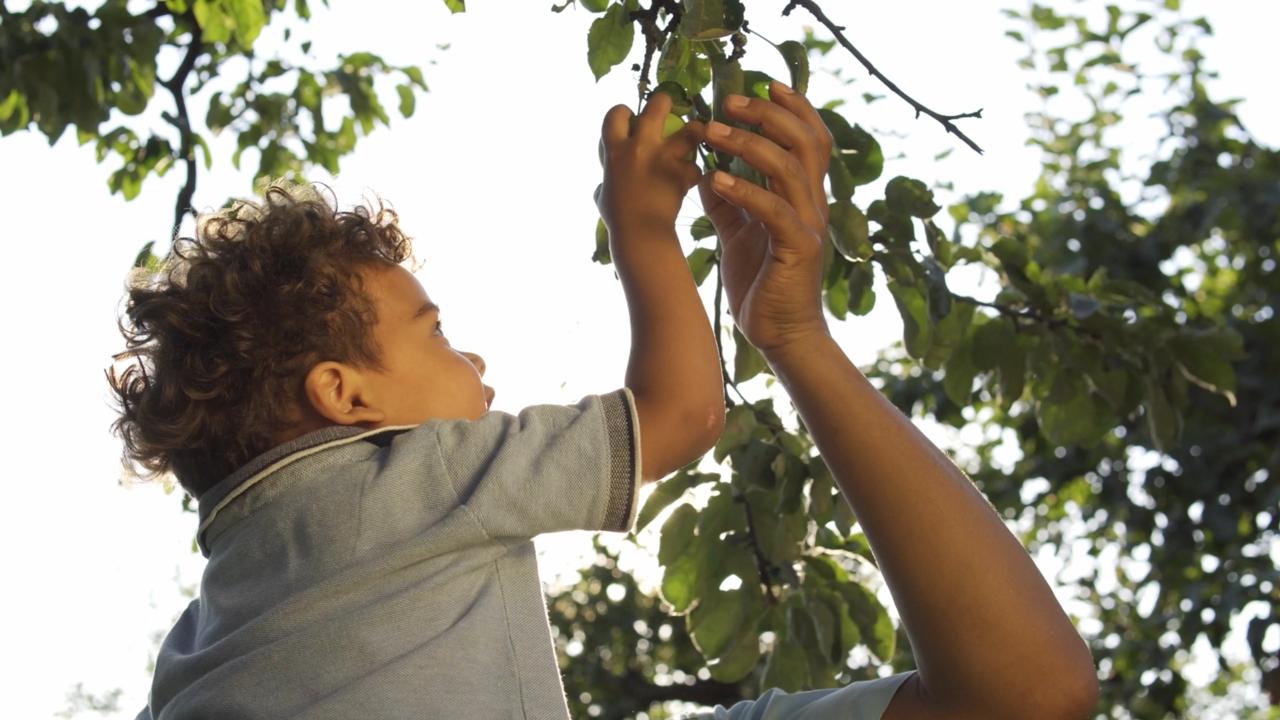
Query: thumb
{"type": "Point", "coordinates": [725, 216]}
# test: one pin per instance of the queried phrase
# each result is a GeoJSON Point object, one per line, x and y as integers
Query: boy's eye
{"type": "Point", "coordinates": [440, 327]}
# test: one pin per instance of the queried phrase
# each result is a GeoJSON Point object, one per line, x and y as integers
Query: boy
{"type": "Point", "coordinates": [368, 524]}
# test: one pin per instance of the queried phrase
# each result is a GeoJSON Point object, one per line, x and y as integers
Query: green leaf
{"type": "Point", "coordinates": [788, 666]}
{"type": "Point", "coordinates": [1163, 421]}
{"type": "Point", "coordinates": [680, 63]}
{"type": "Point", "coordinates": [677, 533]}
{"type": "Point", "coordinates": [796, 56]}
{"type": "Point", "coordinates": [456, 6]}
{"type": "Point", "coordinates": [779, 535]}
{"type": "Point", "coordinates": [609, 40]}
{"type": "Point", "coordinates": [747, 360]}
{"type": "Point", "coordinates": [916, 327]}
{"type": "Point", "coordinates": [1068, 415]}
{"type": "Point", "coordinates": [595, 6]}
{"type": "Point", "coordinates": [702, 228]}
{"type": "Point", "coordinates": [751, 464]}
{"type": "Point", "coordinates": [824, 622]}
{"type": "Point", "coordinates": [727, 79]}
{"type": "Point", "coordinates": [145, 258]}
{"type": "Point", "coordinates": [837, 298]}
{"type": "Point", "coordinates": [709, 19]}
{"type": "Point", "coordinates": [249, 17]}
{"type": "Point", "coordinates": [849, 231]}
{"type": "Point", "coordinates": [739, 168]}
{"type": "Point", "coordinates": [856, 147]}
{"type": "Point", "coordinates": [215, 26]}
{"type": "Point", "coordinates": [756, 84]}
{"type": "Point", "coordinates": [701, 261]}
{"type": "Point", "coordinates": [738, 662]}
{"type": "Point", "coordinates": [1204, 357]}
{"type": "Point", "coordinates": [680, 103]}
{"type": "Point", "coordinates": [958, 381]}
{"type": "Point", "coordinates": [679, 581]}
{"type": "Point", "coordinates": [942, 249]}
{"type": "Point", "coordinates": [871, 619]}
{"type": "Point", "coordinates": [601, 255]}
{"type": "Point", "coordinates": [721, 515]}
{"type": "Point", "coordinates": [1013, 375]}
{"type": "Point", "coordinates": [948, 331]}
{"type": "Point", "coordinates": [406, 100]}
{"type": "Point", "coordinates": [862, 296]}
{"type": "Point", "coordinates": [717, 621]}
{"type": "Point", "coordinates": [667, 492]}
{"type": "Point", "coordinates": [739, 425]}
{"type": "Point", "coordinates": [842, 184]}
{"type": "Point", "coordinates": [939, 294]}
{"type": "Point", "coordinates": [910, 196]}
{"type": "Point", "coordinates": [204, 149]}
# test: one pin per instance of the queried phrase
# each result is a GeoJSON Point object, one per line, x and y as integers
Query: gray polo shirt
{"type": "Point", "coordinates": [390, 573]}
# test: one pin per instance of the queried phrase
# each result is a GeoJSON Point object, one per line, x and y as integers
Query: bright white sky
{"type": "Point", "coordinates": [494, 178]}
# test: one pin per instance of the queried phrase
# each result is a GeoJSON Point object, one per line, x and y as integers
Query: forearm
{"type": "Point", "coordinates": [673, 369]}
{"type": "Point", "coordinates": [987, 632]}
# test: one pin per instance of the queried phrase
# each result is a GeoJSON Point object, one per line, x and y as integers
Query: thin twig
{"type": "Point", "coordinates": [182, 121]}
{"type": "Point", "coordinates": [762, 563]}
{"type": "Point", "coordinates": [813, 8]}
{"type": "Point", "coordinates": [724, 372]}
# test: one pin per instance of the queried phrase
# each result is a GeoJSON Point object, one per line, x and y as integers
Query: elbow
{"type": "Point", "coordinates": [1069, 698]}
{"type": "Point", "coordinates": [704, 426]}
{"type": "Point", "coordinates": [675, 435]}
{"type": "Point", "coordinates": [713, 423]}
{"type": "Point", "coordinates": [1087, 699]}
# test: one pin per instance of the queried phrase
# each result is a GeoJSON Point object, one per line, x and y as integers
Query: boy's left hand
{"type": "Point", "coordinates": [646, 176]}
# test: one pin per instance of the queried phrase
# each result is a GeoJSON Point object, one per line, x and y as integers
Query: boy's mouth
{"type": "Point", "coordinates": [488, 396]}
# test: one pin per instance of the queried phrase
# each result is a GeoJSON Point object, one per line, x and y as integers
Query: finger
{"type": "Point", "coordinates": [792, 239]}
{"type": "Point", "coordinates": [800, 106]}
{"type": "Point", "coordinates": [649, 122]}
{"type": "Point", "coordinates": [724, 216]}
{"type": "Point", "coordinates": [687, 139]}
{"type": "Point", "coordinates": [741, 252]}
{"type": "Point", "coordinates": [689, 176]}
{"type": "Point", "coordinates": [786, 173]}
{"type": "Point", "coordinates": [785, 121]}
{"type": "Point", "coordinates": [616, 125]}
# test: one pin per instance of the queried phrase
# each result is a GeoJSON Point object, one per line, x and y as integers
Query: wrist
{"type": "Point", "coordinates": [632, 227]}
{"type": "Point", "coordinates": [799, 349]}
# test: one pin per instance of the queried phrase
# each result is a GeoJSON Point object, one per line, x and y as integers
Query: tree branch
{"type": "Point", "coordinates": [813, 8]}
{"type": "Point", "coordinates": [182, 121]}
{"type": "Point", "coordinates": [654, 37]}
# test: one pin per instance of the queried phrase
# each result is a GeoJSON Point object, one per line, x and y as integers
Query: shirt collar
{"type": "Point", "coordinates": [216, 498]}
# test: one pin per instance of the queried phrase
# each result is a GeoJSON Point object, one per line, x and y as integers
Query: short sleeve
{"type": "Point", "coordinates": [863, 700]}
{"type": "Point", "coordinates": [549, 468]}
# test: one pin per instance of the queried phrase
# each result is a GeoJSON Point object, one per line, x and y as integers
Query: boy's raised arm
{"type": "Point", "coordinates": [674, 369]}
{"type": "Point", "coordinates": [988, 635]}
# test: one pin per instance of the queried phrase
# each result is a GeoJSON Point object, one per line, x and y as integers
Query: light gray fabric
{"type": "Point", "coordinates": [391, 573]}
{"type": "Point", "coordinates": [864, 700]}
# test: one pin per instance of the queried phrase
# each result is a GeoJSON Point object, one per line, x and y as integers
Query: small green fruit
{"type": "Point", "coordinates": [671, 125]}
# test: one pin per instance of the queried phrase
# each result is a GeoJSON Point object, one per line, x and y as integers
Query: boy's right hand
{"type": "Point", "coordinates": [646, 174]}
{"type": "Point", "coordinates": [771, 240]}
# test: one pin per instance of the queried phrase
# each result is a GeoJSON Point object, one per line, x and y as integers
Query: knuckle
{"type": "Point", "coordinates": [825, 139]}
{"type": "Point", "coordinates": [791, 165]}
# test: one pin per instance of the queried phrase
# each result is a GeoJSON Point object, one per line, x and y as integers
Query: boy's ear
{"type": "Point", "coordinates": [336, 392]}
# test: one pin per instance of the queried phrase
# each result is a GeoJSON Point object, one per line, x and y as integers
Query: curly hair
{"type": "Point", "coordinates": [222, 335]}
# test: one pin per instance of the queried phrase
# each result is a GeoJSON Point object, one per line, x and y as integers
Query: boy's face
{"type": "Point", "coordinates": [425, 378]}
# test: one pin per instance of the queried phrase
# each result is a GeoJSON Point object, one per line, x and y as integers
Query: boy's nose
{"type": "Point", "coordinates": [475, 360]}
